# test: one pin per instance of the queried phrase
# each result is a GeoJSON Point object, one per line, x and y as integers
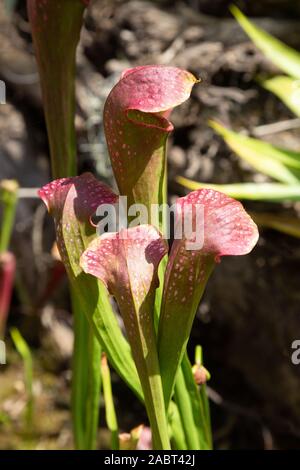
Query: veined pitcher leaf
{"type": "Point", "coordinates": [136, 127]}
{"type": "Point", "coordinates": [285, 57]}
{"type": "Point", "coordinates": [72, 202]}
{"type": "Point", "coordinates": [224, 229]}
{"type": "Point", "coordinates": [127, 263]}
{"type": "Point", "coordinates": [272, 192]}
{"type": "Point", "coordinates": [287, 89]}
{"type": "Point", "coordinates": [281, 164]}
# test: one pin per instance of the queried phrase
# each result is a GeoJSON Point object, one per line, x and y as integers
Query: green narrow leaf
{"type": "Point", "coordinates": [111, 418]}
{"type": "Point", "coordinates": [193, 408]}
{"type": "Point", "coordinates": [285, 57]}
{"type": "Point", "coordinates": [24, 351]}
{"type": "Point", "coordinates": [287, 89]}
{"type": "Point", "coordinates": [282, 223]}
{"type": "Point", "coordinates": [86, 378]}
{"type": "Point", "coordinates": [200, 381]}
{"type": "Point", "coordinates": [183, 400]}
{"type": "Point", "coordinates": [176, 431]}
{"type": "Point", "coordinates": [199, 400]}
{"type": "Point", "coordinates": [281, 164]}
{"type": "Point", "coordinates": [272, 192]}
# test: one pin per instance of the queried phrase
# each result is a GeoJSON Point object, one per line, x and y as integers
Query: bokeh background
{"type": "Point", "coordinates": [250, 314]}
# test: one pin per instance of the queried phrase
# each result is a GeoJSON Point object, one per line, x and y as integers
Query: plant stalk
{"type": "Point", "coordinates": [111, 418]}
{"type": "Point", "coordinates": [86, 379]}
{"type": "Point", "coordinates": [56, 30]}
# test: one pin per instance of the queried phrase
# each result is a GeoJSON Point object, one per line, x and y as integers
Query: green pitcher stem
{"type": "Point", "coordinates": [56, 30]}
{"type": "Point", "coordinates": [186, 413]}
{"type": "Point", "coordinates": [110, 412]}
{"type": "Point", "coordinates": [86, 379]}
{"type": "Point", "coordinates": [155, 406]}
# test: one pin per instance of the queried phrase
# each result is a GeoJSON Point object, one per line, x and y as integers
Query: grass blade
{"type": "Point", "coordinates": [24, 351]}
{"type": "Point", "coordinates": [110, 413]}
{"type": "Point", "coordinates": [271, 192]}
{"type": "Point", "coordinates": [281, 164]}
{"type": "Point", "coordinates": [287, 89]}
{"type": "Point", "coordinates": [285, 57]}
{"type": "Point", "coordinates": [282, 223]}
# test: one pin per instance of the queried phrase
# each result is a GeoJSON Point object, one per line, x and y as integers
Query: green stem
{"type": "Point", "coordinates": [204, 400]}
{"type": "Point", "coordinates": [155, 406]}
{"type": "Point", "coordinates": [177, 432]}
{"type": "Point", "coordinates": [111, 418]}
{"type": "Point", "coordinates": [184, 404]}
{"type": "Point", "coordinates": [94, 387]}
{"type": "Point", "coordinates": [56, 29]}
{"type": "Point", "coordinates": [179, 420]}
{"type": "Point", "coordinates": [86, 379]}
{"type": "Point", "coordinates": [24, 351]}
{"type": "Point", "coordinates": [8, 199]}
{"type": "Point", "coordinates": [79, 373]}
{"type": "Point", "coordinates": [201, 423]}
{"type": "Point", "coordinates": [206, 416]}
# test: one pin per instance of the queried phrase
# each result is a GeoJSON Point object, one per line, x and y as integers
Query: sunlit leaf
{"type": "Point", "coordinates": [281, 164]}
{"type": "Point", "coordinates": [282, 223]}
{"type": "Point", "coordinates": [287, 89]}
{"type": "Point", "coordinates": [273, 192]}
{"type": "Point", "coordinates": [25, 353]}
{"type": "Point", "coordinates": [285, 57]}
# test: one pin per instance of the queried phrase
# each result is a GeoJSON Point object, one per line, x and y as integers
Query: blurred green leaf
{"type": "Point", "coordinates": [283, 56]}
{"type": "Point", "coordinates": [282, 223]}
{"type": "Point", "coordinates": [281, 164]}
{"type": "Point", "coordinates": [287, 89]}
{"type": "Point", "coordinates": [10, 5]}
{"type": "Point", "coordinates": [8, 203]}
{"type": "Point", "coordinates": [25, 353]}
{"type": "Point", "coordinates": [272, 192]}
{"type": "Point", "coordinates": [110, 412]}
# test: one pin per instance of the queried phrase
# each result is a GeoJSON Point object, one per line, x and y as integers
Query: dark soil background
{"type": "Point", "coordinates": [250, 315]}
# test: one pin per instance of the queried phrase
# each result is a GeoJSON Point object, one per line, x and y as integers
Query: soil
{"type": "Point", "coordinates": [249, 316]}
